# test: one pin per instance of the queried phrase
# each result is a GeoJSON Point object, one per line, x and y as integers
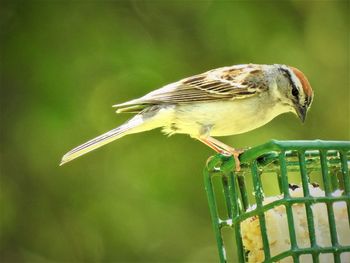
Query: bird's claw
{"type": "Point", "coordinates": [235, 153]}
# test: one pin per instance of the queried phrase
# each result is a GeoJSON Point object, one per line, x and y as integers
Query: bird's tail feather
{"type": "Point", "coordinates": [131, 126]}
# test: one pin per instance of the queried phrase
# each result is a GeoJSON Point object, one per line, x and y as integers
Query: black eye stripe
{"type": "Point", "coordinates": [295, 91]}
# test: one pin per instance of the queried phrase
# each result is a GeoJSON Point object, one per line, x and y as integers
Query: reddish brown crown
{"type": "Point", "coordinates": [304, 82]}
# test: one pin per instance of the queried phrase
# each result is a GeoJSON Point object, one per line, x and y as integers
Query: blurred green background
{"type": "Point", "coordinates": [140, 199]}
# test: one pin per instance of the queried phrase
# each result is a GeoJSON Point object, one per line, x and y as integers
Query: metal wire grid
{"type": "Point", "coordinates": [283, 156]}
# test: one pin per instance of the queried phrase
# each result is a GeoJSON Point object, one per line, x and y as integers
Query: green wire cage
{"type": "Point", "coordinates": [293, 192]}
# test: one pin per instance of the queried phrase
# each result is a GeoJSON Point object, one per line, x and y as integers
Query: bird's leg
{"type": "Point", "coordinates": [223, 149]}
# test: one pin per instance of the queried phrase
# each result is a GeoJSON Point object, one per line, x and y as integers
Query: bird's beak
{"type": "Point", "coordinates": [301, 112]}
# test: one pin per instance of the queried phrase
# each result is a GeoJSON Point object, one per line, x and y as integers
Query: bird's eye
{"type": "Point", "coordinates": [295, 92]}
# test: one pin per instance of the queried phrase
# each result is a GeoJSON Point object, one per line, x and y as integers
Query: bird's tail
{"type": "Point", "coordinates": [134, 125]}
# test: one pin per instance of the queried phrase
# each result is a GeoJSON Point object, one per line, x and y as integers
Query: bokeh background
{"type": "Point", "coordinates": [140, 199]}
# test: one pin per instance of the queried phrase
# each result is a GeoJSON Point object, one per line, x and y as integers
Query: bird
{"type": "Point", "coordinates": [220, 102]}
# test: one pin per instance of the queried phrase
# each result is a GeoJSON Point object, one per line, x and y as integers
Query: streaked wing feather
{"type": "Point", "coordinates": [227, 83]}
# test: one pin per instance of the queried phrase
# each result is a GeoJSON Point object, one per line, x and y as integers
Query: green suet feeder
{"type": "Point", "coordinates": [275, 194]}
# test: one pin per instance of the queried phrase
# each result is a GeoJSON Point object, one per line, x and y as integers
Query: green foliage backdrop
{"type": "Point", "coordinates": [140, 199]}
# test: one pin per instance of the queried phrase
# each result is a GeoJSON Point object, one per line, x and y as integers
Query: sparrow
{"type": "Point", "coordinates": [220, 102]}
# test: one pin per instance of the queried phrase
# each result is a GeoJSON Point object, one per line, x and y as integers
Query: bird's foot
{"type": "Point", "coordinates": [223, 149]}
{"type": "Point", "coordinates": [235, 153]}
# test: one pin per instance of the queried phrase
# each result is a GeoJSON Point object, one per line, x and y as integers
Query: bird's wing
{"type": "Point", "coordinates": [228, 83]}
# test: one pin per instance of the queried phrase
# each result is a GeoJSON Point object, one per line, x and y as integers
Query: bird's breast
{"type": "Point", "coordinates": [223, 118]}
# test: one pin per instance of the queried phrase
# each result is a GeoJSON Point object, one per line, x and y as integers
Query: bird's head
{"type": "Point", "coordinates": [295, 90]}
